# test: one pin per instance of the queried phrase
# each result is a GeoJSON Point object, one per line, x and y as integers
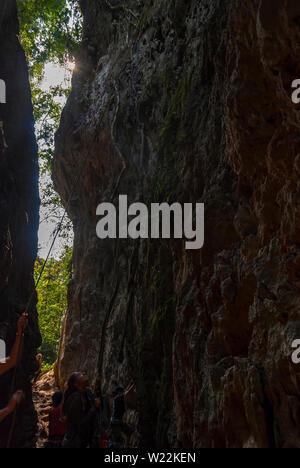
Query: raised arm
{"type": "Point", "coordinates": [15, 401]}
{"type": "Point", "coordinates": [16, 351]}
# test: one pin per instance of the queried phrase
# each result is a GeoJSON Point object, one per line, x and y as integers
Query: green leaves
{"type": "Point", "coordinates": [50, 30]}
{"type": "Point", "coordinates": [47, 112]}
{"type": "Point", "coordinates": [52, 302]}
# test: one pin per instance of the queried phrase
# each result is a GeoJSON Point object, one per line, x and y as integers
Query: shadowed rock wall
{"type": "Point", "coordinates": [188, 101]}
{"type": "Point", "coordinates": [19, 205]}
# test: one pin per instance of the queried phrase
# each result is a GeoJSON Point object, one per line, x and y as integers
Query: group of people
{"type": "Point", "coordinates": [80, 418]}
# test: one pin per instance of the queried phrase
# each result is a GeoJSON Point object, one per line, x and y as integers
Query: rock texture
{"type": "Point", "coordinates": [19, 205]}
{"type": "Point", "coordinates": [188, 101]}
{"type": "Point", "coordinates": [43, 390]}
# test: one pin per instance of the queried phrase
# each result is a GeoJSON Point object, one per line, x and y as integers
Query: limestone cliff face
{"type": "Point", "coordinates": [189, 101]}
{"type": "Point", "coordinates": [19, 204]}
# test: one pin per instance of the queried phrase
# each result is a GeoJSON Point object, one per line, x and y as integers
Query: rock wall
{"type": "Point", "coordinates": [188, 101]}
{"type": "Point", "coordinates": [19, 205]}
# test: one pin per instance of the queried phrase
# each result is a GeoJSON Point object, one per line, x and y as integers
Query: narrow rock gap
{"type": "Point", "coordinates": [176, 102]}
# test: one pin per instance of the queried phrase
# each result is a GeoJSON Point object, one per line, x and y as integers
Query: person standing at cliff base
{"type": "Point", "coordinates": [118, 427]}
{"type": "Point", "coordinates": [39, 363]}
{"type": "Point", "coordinates": [79, 411]}
{"type": "Point", "coordinates": [57, 426]}
{"type": "Point", "coordinates": [102, 420]}
{"type": "Point", "coordinates": [11, 362]}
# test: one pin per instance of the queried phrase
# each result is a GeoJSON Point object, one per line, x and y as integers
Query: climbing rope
{"type": "Point", "coordinates": [27, 310]}
{"type": "Point", "coordinates": [28, 306]}
{"type": "Point", "coordinates": [124, 168]}
{"type": "Point", "coordinates": [29, 303]}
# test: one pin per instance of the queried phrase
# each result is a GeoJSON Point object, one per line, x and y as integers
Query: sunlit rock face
{"type": "Point", "coordinates": [19, 204]}
{"type": "Point", "coordinates": [188, 101]}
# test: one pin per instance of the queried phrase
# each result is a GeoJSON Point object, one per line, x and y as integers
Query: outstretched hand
{"type": "Point", "coordinates": [16, 399]}
{"type": "Point", "coordinates": [14, 402]}
{"type": "Point", "coordinates": [22, 322]}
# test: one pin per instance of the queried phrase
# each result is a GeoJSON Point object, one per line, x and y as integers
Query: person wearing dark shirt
{"type": "Point", "coordinates": [57, 425]}
{"type": "Point", "coordinates": [105, 412]}
{"type": "Point", "coordinates": [118, 427]}
{"type": "Point", "coordinates": [79, 410]}
{"type": "Point", "coordinates": [102, 420]}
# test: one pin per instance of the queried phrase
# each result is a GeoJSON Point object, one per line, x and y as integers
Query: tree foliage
{"type": "Point", "coordinates": [52, 302]}
{"type": "Point", "coordinates": [50, 31]}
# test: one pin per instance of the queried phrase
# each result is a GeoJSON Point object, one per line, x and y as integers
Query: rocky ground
{"type": "Point", "coordinates": [42, 393]}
